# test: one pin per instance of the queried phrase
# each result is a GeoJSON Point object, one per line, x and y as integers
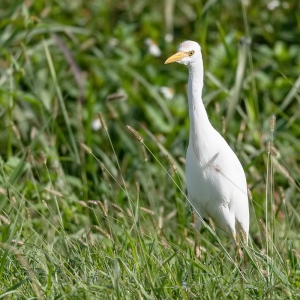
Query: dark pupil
{"type": "Point", "coordinates": [191, 53]}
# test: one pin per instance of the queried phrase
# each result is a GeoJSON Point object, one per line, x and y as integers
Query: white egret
{"type": "Point", "coordinates": [216, 181]}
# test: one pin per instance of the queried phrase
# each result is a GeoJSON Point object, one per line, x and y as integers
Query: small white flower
{"type": "Point", "coordinates": [169, 37]}
{"type": "Point", "coordinates": [113, 42]}
{"type": "Point", "coordinates": [167, 92]}
{"type": "Point", "coordinates": [273, 4]}
{"type": "Point", "coordinates": [246, 2]}
{"type": "Point", "coordinates": [96, 124]}
{"type": "Point", "coordinates": [153, 47]}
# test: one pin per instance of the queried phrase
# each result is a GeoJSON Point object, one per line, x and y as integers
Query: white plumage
{"type": "Point", "coordinates": [216, 181]}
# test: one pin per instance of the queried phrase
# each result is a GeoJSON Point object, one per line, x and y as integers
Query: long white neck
{"type": "Point", "coordinates": [200, 126]}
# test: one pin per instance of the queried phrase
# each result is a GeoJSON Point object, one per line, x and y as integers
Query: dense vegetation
{"type": "Point", "coordinates": [90, 209]}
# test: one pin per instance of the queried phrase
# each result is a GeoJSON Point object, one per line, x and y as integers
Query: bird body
{"type": "Point", "coordinates": [216, 181]}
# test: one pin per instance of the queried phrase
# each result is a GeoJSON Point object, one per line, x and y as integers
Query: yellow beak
{"type": "Point", "coordinates": [176, 57]}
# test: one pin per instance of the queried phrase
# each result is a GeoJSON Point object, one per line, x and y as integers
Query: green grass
{"type": "Point", "coordinates": [103, 214]}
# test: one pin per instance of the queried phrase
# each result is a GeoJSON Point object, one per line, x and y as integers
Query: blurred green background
{"type": "Point", "coordinates": [63, 62]}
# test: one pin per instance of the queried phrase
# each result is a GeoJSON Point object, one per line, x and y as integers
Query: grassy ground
{"type": "Point", "coordinates": [102, 214]}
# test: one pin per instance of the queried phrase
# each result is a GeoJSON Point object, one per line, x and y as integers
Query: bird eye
{"type": "Point", "coordinates": [191, 53]}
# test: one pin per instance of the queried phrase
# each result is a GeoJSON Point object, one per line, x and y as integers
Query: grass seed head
{"type": "Point", "coordinates": [86, 148]}
{"type": "Point", "coordinates": [145, 155]}
{"type": "Point", "coordinates": [282, 195]}
{"type": "Point", "coordinates": [249, 194]}
{"type": "Point", "coordinates": [16, 131]}
{"type": "Point", "coordinates": [104, 171]}
{"type": "Point", "coordinates": [212, 224]}
{"type": "Point", "coordinates": [102, 232]}
{"type": "Point", "coordinates": [53, 192]}
{"type": "Point", "coordinates": [82, 203]}
{"type": "Point", "coordinates": [28, 213]}
{"type": "Point", "coordinates": [103, 122]}
{"type": "Point", "coordinates": [274, 151]}
{"type": "Point", "coordinates": [17, 242]}
{"type": "Point", "coordinates": [172, 164]}
{"type": "Point", "coordinates": [223, 125]}
{"type": "Point", "coordinates": [281, 169]}
{"type": "Point", "coordinates": [243, 236]}
{"type": "Point", "coordinates": [147, 210]}
{"type": "Point", "coordinates": [272, 123]}
{"type": "Point", "coordinates": [3, 191]}
{"type": "Point", "coordinates": [5, 220]}
{"type": "Point", "coordinates": [269, 147]}
{"type": "Point", "coordinates": [83, 243]}
{"type": "Point", "coordinates": [135, 134]}
{"type": "Point", "coordinates": [116, 207]}
{"type": "Point", "coordinates": [129, 213]}
{"type": "Point", "coordinates": [93, 202]}
{"type": "Point", "coordinates": [13, 200]}
{"type": "Point", "coordinates": [265, 231]}
{"type": "Point", "coordinates": [103, 209]}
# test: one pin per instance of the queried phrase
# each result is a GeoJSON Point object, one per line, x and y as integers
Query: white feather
{"type": "Point", "coordinates": [216, 181]}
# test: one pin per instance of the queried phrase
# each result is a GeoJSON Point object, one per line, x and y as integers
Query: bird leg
{"type": "Point", "coordinates": [196, 224]}
{"type": "Point", "coordinates": [197, 243]}
{"type": "Point", "coordinates": [239, 251]}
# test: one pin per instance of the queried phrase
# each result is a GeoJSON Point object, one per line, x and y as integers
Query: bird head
{"type": "Point", "coordinates": [187, 53]}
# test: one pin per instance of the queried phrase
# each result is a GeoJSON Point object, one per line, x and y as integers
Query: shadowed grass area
{"type": "Point", "coordinates": [93, 209]}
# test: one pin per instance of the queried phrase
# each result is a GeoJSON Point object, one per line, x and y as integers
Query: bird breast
{"type": "Point", "coordinates": [215, 176]}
